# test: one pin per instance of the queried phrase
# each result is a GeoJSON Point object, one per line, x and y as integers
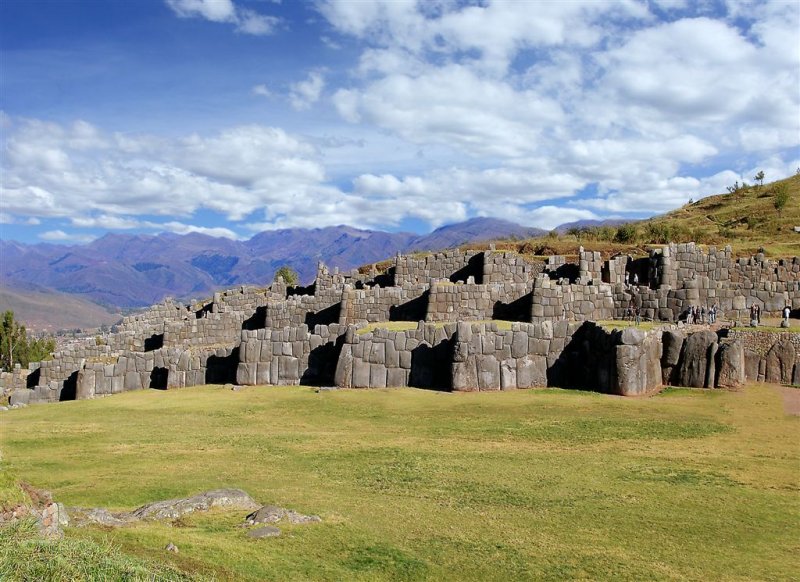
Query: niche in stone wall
{"type": "Point", "coordinates": [473, 268]}
{"type": "Point", "coordinates": [222, 369]}
{"type": "Point", "coordinates": [33, 378]}
{"type": "Point", "coordinates": [325, 316]}
{"type": "Point", "coordinates": [517, 310]}
{"type": "Point", "coordinates": [70, 388]}
{"type": "Point", "coordinates": [640, 267]}
{"type": "Point", "coordinates": [158, 378]}
{"type": "Point", "coordinates": [154, 342]}
{"type": "Point", "coordinates": [256, 321]}
{"type": "Point", "coordinates": [430, 366]}
{"type": "Point", "coordinates": [322, 362]}
{"type": "Point", "coordinates": [413, 310]}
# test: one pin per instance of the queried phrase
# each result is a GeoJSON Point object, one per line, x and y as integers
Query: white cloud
{"type": "Point", "coordinates": [225, 11]}
{"type": "Point", "coordinates": [61, 236]}
{"type": "Point", "coordinates": [305, 93]}
{"type": "Point", "coordinates": [262, 90]}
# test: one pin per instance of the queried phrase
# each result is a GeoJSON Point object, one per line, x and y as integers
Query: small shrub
{"type": "Point", "coordinates": [626, 233]}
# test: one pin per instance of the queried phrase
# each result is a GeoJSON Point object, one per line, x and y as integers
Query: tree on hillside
{"type": "Point", "coordinates": [290, 276]}
{"type": "Point", "coordinates": [759, 177]}
{"type": "Point", "coordinates": [780, 197]}
{"type": "Point", "coordinates": [17, 348]}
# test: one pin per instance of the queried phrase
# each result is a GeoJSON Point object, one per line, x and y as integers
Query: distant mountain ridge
{"type": "Point", "coordinates": [129, 271]}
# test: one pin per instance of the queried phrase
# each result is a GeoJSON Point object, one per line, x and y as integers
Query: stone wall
{"type": "Point", "coordinates": [418, 357]}
{"type": "Point", "coordinates": [458, 302]}
{"type": "Point", "coordinates": [557, 300]}
{"type": "Point", "coordinates": [174, 345]}
{"type": "Point", "coordinates": [289, 356]}
{"type": "Point", "coordinates": [506, 267]}
{"type": "Point", "coordinates": [453, 265]}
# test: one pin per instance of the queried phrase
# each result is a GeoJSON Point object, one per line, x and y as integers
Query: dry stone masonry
{"type": "Point", "coordinates": [314, 335]}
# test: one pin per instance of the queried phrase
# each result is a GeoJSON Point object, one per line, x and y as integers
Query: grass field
{"type": "Point", "coordinates": [419, 485]}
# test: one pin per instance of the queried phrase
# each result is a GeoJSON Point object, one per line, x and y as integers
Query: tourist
{"type": "Point", "coordinates": [638, 316]}
{"type": "Point", "coordinates": [787, 311]}
{"type": "Point", "coordinates": [629, 311]}
{"type": "Point", "coordinates": [690, 315]}
{"type": "Point", "coordinates": [703, 314]}
{"type": "Point", "coordinates": [627, 275]}
{"type": "Point", "coordinates": [712, 314]}
{"type": "Point", "coordinates": [636, 279]}
{"type": "Point", "coordinates": [758, 314]}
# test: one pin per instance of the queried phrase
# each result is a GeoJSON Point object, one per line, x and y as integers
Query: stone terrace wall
{"type": "Point", "coordinates": [289, 356]}
{"type": "Point", "coordinates": [418, 357]}
{"type": "Point", "coordinates": [561, 353]}
{"type": "Point", "coordinates": [505, 267]}
{"type": "Point", "coordinates": [215, 328]}
{"type": "Point", "coordinates": [452, 265]}
{"type": "Point", "coordinates": [590, 265]}
{"type": "Point", "coordinates": [770, 356]}
{"type": "Point", "coordinates": [555, 300]}
{"type": "Point", "coordinates": [406, 303]}
{"type": "Point", "coordinates": [296, 310]}
{"type": "Point", "coordinates": [459, 302]}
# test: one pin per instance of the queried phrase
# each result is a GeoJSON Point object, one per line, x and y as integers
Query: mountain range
{"type": "Point", "coordinates": [131, 271]}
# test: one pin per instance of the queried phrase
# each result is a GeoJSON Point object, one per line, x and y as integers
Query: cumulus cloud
{"type": "Point", "coordinates": [225, 11]}
{"type": "Point", "coordinates": [596, 94]}
{"type": "Point", "coordinates": [307, 92]}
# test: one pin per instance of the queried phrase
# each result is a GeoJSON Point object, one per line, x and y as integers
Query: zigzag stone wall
{"type": "Point", "coordinates": [172, 345]}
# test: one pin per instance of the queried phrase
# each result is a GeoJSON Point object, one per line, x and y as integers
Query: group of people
{"type": "Point", "coordinates": [633, 313]}
{"type": "Point", "coordinates": [698, 315]}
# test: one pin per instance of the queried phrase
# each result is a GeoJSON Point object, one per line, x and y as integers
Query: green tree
{"type": "Point", "coordinates": [17, 348]}
{"type": "Point", "coordinates": [290, 276]}
{"type": "Point", "coordinates": [780, 198]}
{"type": "Point", "coordinates": [759, 177]}
{"type": "Point", "coordinates": [626, 233]}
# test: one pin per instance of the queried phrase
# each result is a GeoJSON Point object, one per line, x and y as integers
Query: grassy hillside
{"type": "Point", "coordinates": [420, 485]}
{"type": "Point", "coordinates": [50, 311]}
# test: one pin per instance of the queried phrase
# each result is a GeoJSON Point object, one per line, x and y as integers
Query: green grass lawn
{"type": "Point", "coordinates": [420, 485]}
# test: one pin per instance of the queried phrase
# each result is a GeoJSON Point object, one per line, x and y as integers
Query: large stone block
{"type": "Point", "coordinates": [245, 374]}
{"type": "Point", "coordinates": [508, 374]}
{"type": "Point", "coordinates": [532, 371]}
{"type": "Point", "coordinates": [377, 376]}
{"type": "Point", "coordinates": [730, 365]}
{"type": "Point", "coordinates": [360, 374]}
{"type": "Point", "coordinates": [465, 376]}
{"type": "Point", "coordinates": [695, 359]}
{"type": "Point", "coordinates": [780, 362]}
{"type": "Point", "coordinates": [488, 372]}
{"type": "Point", "coordinates": [343, 376]}
{"type": "Point", "coordinates": [673, 343]}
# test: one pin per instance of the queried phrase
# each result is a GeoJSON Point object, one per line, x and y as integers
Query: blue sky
{"type": "Point", "coordinates": [229, 117]}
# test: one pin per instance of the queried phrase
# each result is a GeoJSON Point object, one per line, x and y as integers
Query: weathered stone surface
{"type": "Point", "coordinates": [695, 359]}
{"type": "Point", "coordinates": [532, 372]}
{"type": "Point", "coordinates": [632, 336]}
{"type": "Point", "coordinates": [751, 365]}
{"type": "Point", "coordinates": [508, 374]}
{"type": "Point", "coordinates": [731, 365]}
{"type": "Point", "coordinates": [465, 376]}
{"type": "Point", "coordinates": [673, 343]}
{"type": "Point", "coordinates": [488, 372]}
{"type": "Point", "coordinates": [275, 514]}
{"type": "Point", "coordinates": [344, 367]}
{"type": "Point", "coordinates": [268, 531]}
{"type": "Point", "coordinates": [780, 362]}
{"type": "Point", "coordinates": [99, 516]}
{"type": "Point", "coordinates": [174, 508]}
